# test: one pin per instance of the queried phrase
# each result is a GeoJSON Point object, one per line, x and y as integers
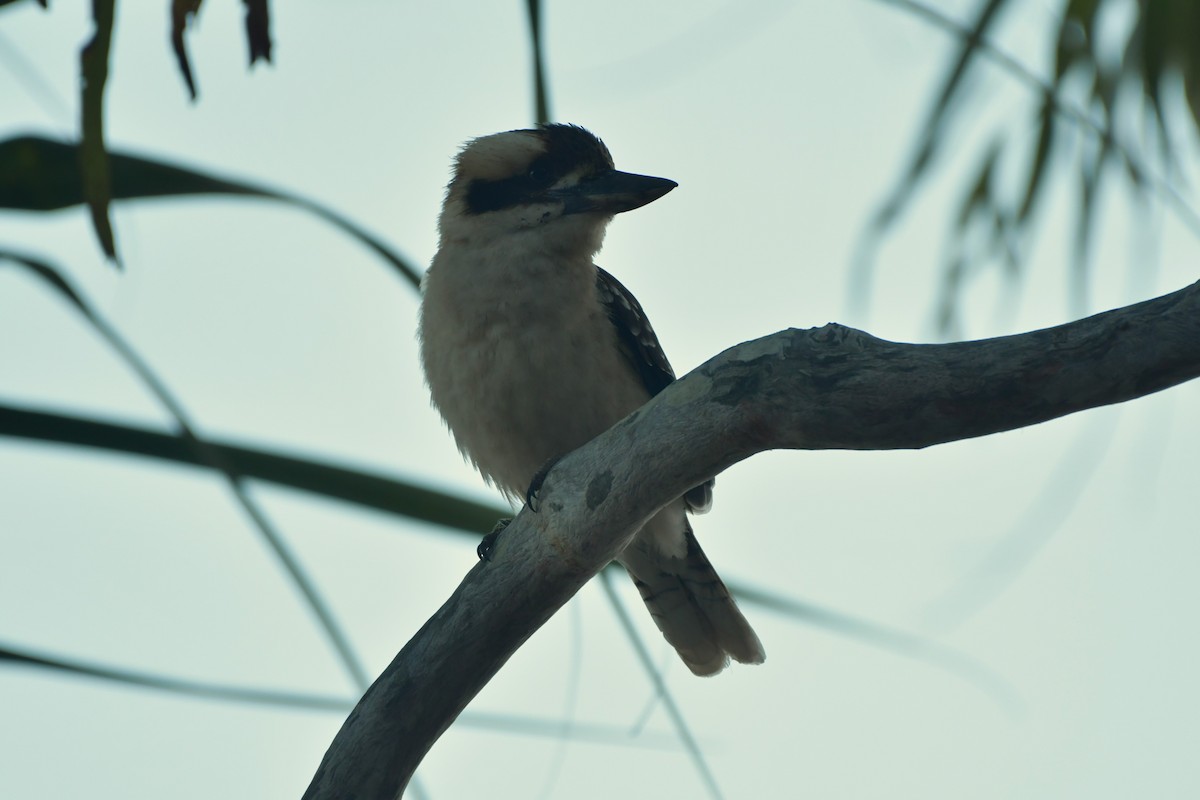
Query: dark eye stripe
{"type": "Point", "coordinates": [484, 196]}
{"type": "Point", "coordinates": [568, 148]}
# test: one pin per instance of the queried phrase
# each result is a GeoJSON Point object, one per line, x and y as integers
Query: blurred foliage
{"type": "Point", "coordinates": [1116, 63]}
{"type": "Point", "coordinates": [93, 160]}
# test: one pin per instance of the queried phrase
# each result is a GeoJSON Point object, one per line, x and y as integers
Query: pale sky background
{"type": "Point", "coordinates": [784, 124]}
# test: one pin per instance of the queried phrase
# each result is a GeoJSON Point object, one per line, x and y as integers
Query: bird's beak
{"type": "Point", "coordinates": [612, 192]}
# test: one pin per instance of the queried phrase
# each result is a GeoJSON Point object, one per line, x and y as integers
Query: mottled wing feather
{"type": "Point", "coordinates": [636, 338]}
{"type": "Point", "coordinates": [640, 346]}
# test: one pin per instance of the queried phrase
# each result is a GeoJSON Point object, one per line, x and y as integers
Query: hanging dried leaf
{"type": "Point", "coordinates": [258, 30]}
{"type": "Point", "coordinates": [93, 157]}
{"type": "Point", "coordinates": [182, 12]}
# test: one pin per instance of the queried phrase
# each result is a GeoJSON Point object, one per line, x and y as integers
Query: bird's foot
{"type": "Point", "coordinates": [535, 485]}
{"type": "Point", "coordinates": [484, 551]}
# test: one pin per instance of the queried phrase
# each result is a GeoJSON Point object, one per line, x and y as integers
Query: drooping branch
{"type": "Point", "coordinates": [825, 388]}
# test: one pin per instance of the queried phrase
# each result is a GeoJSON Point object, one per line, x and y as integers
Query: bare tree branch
{"type": "Point", "coordinates": [825, 388]}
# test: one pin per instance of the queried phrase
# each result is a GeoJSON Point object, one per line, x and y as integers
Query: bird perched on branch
{"type": "Point", "coordinates": [530, 350]}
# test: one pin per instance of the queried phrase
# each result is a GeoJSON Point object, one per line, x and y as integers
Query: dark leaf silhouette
{"type": "Point", "coordinates": [209, 457]}
{"type": "Point", "coordinates": [93, 159]}
{"type": "Point", "coordinates": [137, 679]}
{"type": "Point", "coordinates": [411, 500]}
{"type": "Point", "coordinates": [144, 680]}
{"type": "Point", "coordinates": [258, 30]}
{"type": "Point", "coordinates": [182, 13]}
{"type": "Point", "coordinates": [258, 34]}
{"type": "Point", "coordinates": [41, 175]}
{"type": "Point", "coordinates": [367, 489]}
{"type": "Point", "coordinates": [42, 3]}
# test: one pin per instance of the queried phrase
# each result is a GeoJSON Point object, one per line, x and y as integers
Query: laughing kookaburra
{"type": "Point", "coordinates": [531, 350]}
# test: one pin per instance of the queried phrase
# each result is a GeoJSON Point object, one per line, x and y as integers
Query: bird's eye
{"type": "Point", "coordinates": [537, 173]}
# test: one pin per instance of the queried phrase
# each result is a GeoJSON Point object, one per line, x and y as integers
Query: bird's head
{"type": "Point", "coordinates": [558, 180]}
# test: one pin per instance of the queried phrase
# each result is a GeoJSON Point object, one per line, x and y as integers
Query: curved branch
{"type": "Point", "coordinates": [825, 388]}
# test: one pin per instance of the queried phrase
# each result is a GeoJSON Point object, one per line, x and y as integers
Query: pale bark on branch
{"type": "Point", "coordinates": [825, 388]}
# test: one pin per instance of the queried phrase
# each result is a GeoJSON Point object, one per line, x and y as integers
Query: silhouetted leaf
{"type": "Point", "coordinates": [211, 458]}
{"type": "Point", "coordinates": [182, 12]}
{"type": "Point", "coordinates": [367, 489]}
{"type": "Point", "coordinates": [145, 680]}
{"type": "Point", "coordinates": [258, 34]}
{"type": "Point", "coordinates": [258, 30]}
{"type": "Point", "coordinates": [402, 498]}
{"type": "Point", "coordinates": [528, 726]}
{"type": "Point", "coordinates": [47, 273]}
{"type": "Point", "coordinates": [370, 490]}
{"type": "Point", "coordinates": [93, 160]}
{"type": "Point", "coordinates": [38, 174]}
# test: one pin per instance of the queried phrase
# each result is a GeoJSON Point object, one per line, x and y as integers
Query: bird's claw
{"type": "Point", "coordinates": [535, 485]}
{"type": "Point", "coordinates": [484, 551]}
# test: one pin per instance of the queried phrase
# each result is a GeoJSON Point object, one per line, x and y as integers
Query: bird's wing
{"type": "Point", "coordinates": [637, 339]}
{"type": "Point", "coordinates": [639, 344]}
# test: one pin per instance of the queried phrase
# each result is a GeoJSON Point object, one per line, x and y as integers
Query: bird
{"type": "Point", "coordinates": [530, 350]}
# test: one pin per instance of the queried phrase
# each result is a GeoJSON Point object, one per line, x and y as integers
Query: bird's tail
{"type": "Point", "coordinates": [690, 604]}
